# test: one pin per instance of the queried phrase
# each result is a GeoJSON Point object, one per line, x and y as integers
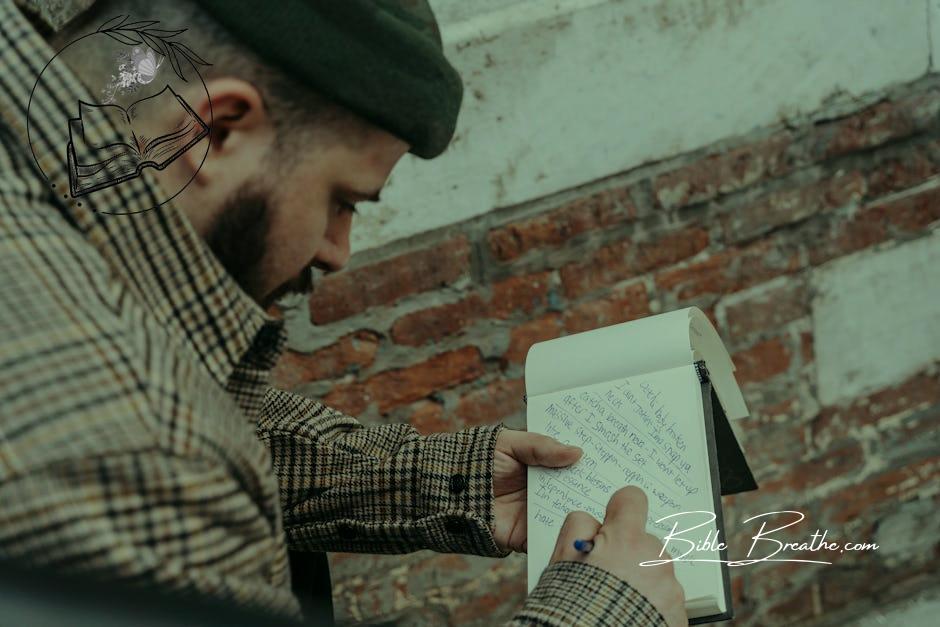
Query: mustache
{"type": "Point", "coordinates": [301, 284]}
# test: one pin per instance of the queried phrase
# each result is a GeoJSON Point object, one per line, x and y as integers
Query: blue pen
{"type": "Point", "coordinates": [584, 546]}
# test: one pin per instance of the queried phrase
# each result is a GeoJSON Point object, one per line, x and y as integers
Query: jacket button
{"type": "Point", "coordinates": [458, 483]}
{"type": "Point", "coordinates": [347, 532]}
{"type": "Point", "coordinates": [456, 525]}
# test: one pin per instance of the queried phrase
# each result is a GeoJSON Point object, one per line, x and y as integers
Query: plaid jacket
{"type": "Point", "coordinates": [139, 438]}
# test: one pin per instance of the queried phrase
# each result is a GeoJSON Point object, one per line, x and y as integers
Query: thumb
{"type": "Point", "coordinates": [535, 449]}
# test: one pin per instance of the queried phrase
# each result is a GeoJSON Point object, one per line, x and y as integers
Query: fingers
{"type": "Point", "coordinates": [577, 526]}
{"type": "Point", "coordinates": [536, 449]}
{"type": "Point", "coordinates": [627, 510]}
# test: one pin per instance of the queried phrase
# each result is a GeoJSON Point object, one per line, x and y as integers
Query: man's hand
{"type": "Point", "coordinates": [515, 450]}
{"type": "Point", "coordinates": [620, 545]}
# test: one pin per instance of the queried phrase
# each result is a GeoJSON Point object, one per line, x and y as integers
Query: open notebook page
{"type": "Point", "coordinates": [646, 430]}
{"type": "Point", "coordinates": [648, 344]}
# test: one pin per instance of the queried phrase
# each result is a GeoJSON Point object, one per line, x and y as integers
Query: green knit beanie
{"type": "Point", "coordinates": [382, 59]}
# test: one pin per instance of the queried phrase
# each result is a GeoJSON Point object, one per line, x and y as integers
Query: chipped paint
{"type": "Point", "coordinates": [597, 87]}
{"type": "Point", "coordinates": [876, 317]}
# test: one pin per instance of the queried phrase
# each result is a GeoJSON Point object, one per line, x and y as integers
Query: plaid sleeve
{"type": "Point", "coordinates": [146, 517]}
{"type": "Point", "coordinates": [382, 489]}
{"type": "Point", "coordinates": [577, 593]}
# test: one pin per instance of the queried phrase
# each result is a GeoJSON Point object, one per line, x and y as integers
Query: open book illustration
{"type": "Point", "coordinates": [97, 159]}
{"type": "Point", "coordinates": [648, 401]}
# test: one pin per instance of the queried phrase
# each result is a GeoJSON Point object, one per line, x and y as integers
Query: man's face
{"type": "Point", "coordinates": [276, 226]}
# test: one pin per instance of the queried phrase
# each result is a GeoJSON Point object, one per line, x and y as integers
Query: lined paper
{"type": "Point", "coordinates": [645, 430]}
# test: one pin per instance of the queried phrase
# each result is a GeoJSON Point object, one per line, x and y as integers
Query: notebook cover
{"type": "Point", "coordinates": [709, 403]}
{"type": "Point", "coordinates": [735, 475]}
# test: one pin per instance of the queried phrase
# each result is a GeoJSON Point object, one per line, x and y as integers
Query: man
{"type": "Point", "coordinates": [137, 429]}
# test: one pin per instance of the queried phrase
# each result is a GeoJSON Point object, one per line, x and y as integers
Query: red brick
{"type": "Point", "coordinates": [903, 216]}
{"type": "Point", "coordinates": [807, 347]}
{"type": "Point", "coordinates": [768, 579]}
{"type": "Point", "coordinates": [428, 417]}
{"type": "Point", "coordinates": [900, 173]}
{"type": "Point", "coordinates": [624, 260]}
{"type": "Point", "coordinates": [669, 249]}
{"type": "Point", "coordinates": [290, 370]}
{"type": "Point", "coordinates": [774, 411]}
{"type": "Point", "coordinates": [622, 305]}
{"type": "Point", "coordinates": [844, 585]}
{"type": "Point", "coordinates": [856, 233]}
{"type": "Point", "coordinates": [744, 614]}
{"type": "Point", "coordinates": [912, 214]}
{"type": "Point", "coordinates": [768, 310]}
{"type": "Point", "coordinates": [883, 122]}
{"type": "Point", "coordinates": [802, 476]}
{"type": "Point", "coordinates": [528, 333]}
{"type": "Point", "coordinates": [795, 609]}
{"type": "Point", "coordinates": [738, 588]}
{"type": "Point", "coordinates": [932, 148]}
{"type": "Point", "coordinates": [605, 266]}
{"type": "Point", "coordinates": [394, 388]}
{"type": "Point", "coordinates": [731, 270]}
{"type": "Point", "coordinates": [440, 562]}
{"type": "Point", "coordinates": [516, 293]}
{"type": "Point", "coordinates": [881, 492]}
{"type": "Point", "coordinates": [917, 393]}
{"type": "Point", "coordinates": [761, 362]}
{"type": "Point", "coordinates": [436, 323]}
{"type": "Point", "coordinates": [724, 172]}
{"type": "Point", "coordinates": [343, 294]}
{"type": "Point", "coordinates": [350, 352]}
{"type": "Point", "coordinates": [552, 229]}
{"type": "Point", "coordinates": [771, 444]}
{"type": "Point", "coordinates": [710, 275]}
{"type": "Point", "coordinates": [349, 398]}
{"type": "Point", "coordinates": [495, 599]}
{"type": "Point", "coordinates": [491, 404]}
{"type": "Point", "coordinates": [792, 205]}
{"type": "Point", "coordinates": [338, 557]}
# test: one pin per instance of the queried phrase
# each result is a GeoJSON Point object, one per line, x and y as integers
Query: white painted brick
{"type": "Point", "coordinates": [933, 6]}
{"type": "Point", "coordinates": [559, 93]}
{"type": "Point", "coordinates": [921, 612]}
{"type": "Point", "coordinates": [876, 318]}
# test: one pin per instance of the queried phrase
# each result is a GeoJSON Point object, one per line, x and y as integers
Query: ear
{"type": "Point", "coordinates": [240, 130]}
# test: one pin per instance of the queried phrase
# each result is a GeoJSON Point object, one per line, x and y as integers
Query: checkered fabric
{"type": "Point", "coordinates": [577, 593]}
{"type": "Point", "coordinates": [139, 438]}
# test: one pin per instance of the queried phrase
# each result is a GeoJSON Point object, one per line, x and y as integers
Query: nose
{"type": "Point", "coordinates": [334, 252]}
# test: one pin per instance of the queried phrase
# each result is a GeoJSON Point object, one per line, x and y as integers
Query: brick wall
{"type": "Point", "coordinates": [434, 330]}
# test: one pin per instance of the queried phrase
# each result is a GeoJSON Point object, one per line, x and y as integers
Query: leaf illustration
{"type": "Point", "coordinates": [112, 23]}
{"type": "Point", "coordinates": [164, 34]}
{"type": "Point", "coordinates": [157, 39]}
{"type": "Point", "coordinates": [192, 56]}
{"type": "Point", "coordinates": [122, 38]}
{"type": "Point", "coordinates": [176, 64]}
{"type": "Point", "coordinates": [156, 44]}
{"type": "Point", "coordinates": [139, 25]}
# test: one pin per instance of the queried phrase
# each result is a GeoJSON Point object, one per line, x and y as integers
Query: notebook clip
{"type": "Point", "coordinates": [701, 371]}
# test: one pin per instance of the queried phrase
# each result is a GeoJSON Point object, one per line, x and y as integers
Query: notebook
{"type": "Point", "coordinates": [648, 401]}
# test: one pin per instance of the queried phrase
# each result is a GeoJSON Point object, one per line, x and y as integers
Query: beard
{"type": "Point", "coordinates": [301, 284]}
{"type": "Point", "coordinates": [239, 240]}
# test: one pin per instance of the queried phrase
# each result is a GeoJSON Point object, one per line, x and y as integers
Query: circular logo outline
{"type": "Point", "coordinates": [32, 92]}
